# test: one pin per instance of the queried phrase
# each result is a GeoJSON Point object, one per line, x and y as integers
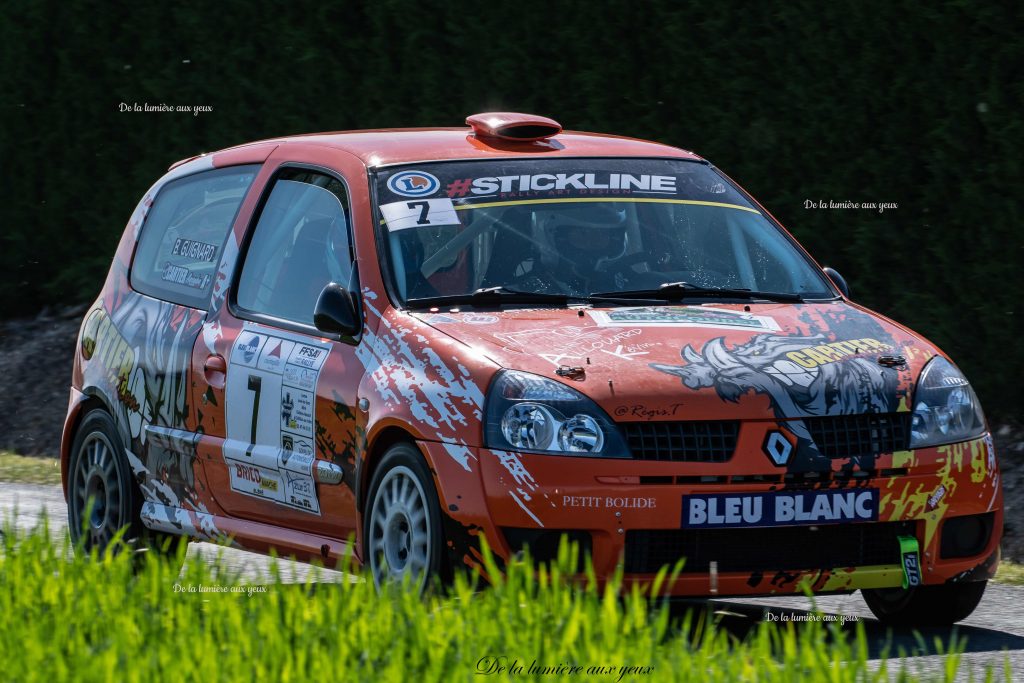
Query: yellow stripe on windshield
{"type": "Point", "coordinates": [635, 200]}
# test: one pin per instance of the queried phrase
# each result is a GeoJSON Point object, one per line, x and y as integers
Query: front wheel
{"type": "Point", "coordinates": [103, 497]}
{"type": "Point", "coordinates": [940, 605]}
{"type": "Point", "coordinates": [402, 536]}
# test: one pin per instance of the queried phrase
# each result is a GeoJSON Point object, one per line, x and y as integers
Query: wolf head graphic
{"type": "Point", "coordinates": [848, 384]}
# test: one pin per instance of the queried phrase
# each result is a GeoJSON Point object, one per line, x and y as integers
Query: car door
{"type": "Point", "coordinates": [288, 440]}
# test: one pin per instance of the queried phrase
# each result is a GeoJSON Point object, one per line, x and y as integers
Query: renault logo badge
{"type": "Point", "coordinates": [777, 447]}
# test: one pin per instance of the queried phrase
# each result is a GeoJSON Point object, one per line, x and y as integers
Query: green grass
{"type": "Point", "coordinates": [25, 470]}
{"type": "Point", "coordinates": [94, 619]}
{"type": "Point", "coordinates": [1010, 573]}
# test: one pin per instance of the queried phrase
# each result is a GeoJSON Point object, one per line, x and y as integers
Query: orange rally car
{"type": "Point", "coordinates": [419, 338]}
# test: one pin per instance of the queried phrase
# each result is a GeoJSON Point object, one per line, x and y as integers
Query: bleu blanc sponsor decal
{"type": "Point", "coordinates": [780, 508]}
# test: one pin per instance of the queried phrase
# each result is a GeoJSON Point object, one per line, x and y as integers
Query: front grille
{"type": "Point", "coordinates": [851, 436]}
{"type": "Point", "coordinates": [710, 441]}
{"type": "Point", "coordinates": [766, 549]}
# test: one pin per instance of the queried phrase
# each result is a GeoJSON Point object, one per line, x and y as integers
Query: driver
{"type": "Point", "coordinates": [580, 241]}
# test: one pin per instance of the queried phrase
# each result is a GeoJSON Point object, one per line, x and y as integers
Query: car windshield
{"type": "Point", "coordinates": [574, 227]}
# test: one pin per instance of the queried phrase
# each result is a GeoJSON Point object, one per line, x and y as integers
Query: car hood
{"type": "Point", "coordinates": [707, 362]}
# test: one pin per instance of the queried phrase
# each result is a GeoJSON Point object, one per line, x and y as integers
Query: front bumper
{"type": "Point", "coordinates": [631, 512]}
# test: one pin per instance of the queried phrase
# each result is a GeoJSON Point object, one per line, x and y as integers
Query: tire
{"type": "Point", "coordinates": [98, 469]}
{"type": "Point", "coordinates": [941, 605]}
{"type": "Point", "coordinates": [402, 534]}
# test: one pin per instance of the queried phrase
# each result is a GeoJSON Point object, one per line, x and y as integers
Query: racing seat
{"type": "Point", "coordinates": [511, 250]}
{"type": "Point", "coordinates": [304, 273]}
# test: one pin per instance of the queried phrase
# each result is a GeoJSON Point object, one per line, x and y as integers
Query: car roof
{"type": "Point", "coordinates": [385, 147]}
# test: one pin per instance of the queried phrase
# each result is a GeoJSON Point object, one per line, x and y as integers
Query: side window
{"type": "Point", "coordinates": [301, 243]}
{"type": "Point", "coordinates": [184, 234]}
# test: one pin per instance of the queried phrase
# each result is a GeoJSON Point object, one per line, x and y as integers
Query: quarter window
{"type": "Point", "coordinates": [301, 243]}
{"type": "Point", "coordinates": [184, 235]}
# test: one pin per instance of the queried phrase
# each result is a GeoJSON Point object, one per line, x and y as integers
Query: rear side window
{"type": "Point", "coordinates": [184, 235]}
{"type": "Point", "coordinates": [300, 244]}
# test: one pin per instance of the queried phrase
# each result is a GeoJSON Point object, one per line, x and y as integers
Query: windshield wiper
{"type": "Point", "coordinates": [507, 295]}
{"type": "Point", "coordinates": [677, 291]}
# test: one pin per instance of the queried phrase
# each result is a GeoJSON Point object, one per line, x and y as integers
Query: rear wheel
{"type": "Point", "coordinates": [103, 496]}
{"type": "Point", "coordinates": [402, 535]}
{"type": "Point", "coordinates": [940, 605]}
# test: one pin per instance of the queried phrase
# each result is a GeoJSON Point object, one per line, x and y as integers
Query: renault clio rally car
{"type": "Point", "coordinates": [422, 338]}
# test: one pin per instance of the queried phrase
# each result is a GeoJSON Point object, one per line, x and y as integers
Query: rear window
{"type": "Point", "coordinates": [184, 235]}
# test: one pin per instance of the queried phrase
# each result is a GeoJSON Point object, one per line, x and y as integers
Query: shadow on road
{"type": "Point", "coordinates": [740, 619]}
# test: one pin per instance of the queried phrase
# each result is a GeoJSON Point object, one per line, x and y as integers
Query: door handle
{"type": "Point", "coordinates": [328, 473]}
{"type": "Point", "coordinates": [215, 371]}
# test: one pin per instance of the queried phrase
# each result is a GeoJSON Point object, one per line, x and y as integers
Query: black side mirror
{"type": "Point", "coordinates": [335, 311]}
{"type": "Point", "coordinates": [838, 281]}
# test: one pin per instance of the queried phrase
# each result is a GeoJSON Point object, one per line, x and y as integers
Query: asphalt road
{"type": "Point", "coordinates": [994, 632]}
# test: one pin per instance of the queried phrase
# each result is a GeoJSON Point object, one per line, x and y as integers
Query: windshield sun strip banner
{"type": "Point", "coordinates": [403, 215]}
{"type": "Point", "coordinates": [609, 198]}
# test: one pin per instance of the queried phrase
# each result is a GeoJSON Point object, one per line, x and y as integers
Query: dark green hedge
{"type": "Point", "coordinates": [852, 101]}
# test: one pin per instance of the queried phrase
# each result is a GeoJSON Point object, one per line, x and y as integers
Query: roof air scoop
{"type": "Point", "coordinates": [510, 125]}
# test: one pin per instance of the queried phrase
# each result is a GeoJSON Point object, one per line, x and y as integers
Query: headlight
{"type": "Point", "coordinates": [946, 410]}
{"type": "Point", "coordinates": [538, 415]}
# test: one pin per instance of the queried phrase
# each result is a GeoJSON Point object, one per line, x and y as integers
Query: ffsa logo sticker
{"type": "Point", "coordinates": [413, 184]}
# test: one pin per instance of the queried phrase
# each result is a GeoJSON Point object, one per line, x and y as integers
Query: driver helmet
{"type": "Point", "coordinates": [586, 234]}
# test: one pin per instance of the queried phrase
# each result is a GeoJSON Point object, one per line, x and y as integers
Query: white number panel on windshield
{"type": "Point", "coordinates": [270, 398]}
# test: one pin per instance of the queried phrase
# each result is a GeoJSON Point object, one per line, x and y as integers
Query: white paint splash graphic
{"type": "Point", "coordinates": [415, 374]}
{"type": "Point", "coordinates": [526, 509]}
{"type": "Point", "coordinates": [163, 510]}
{"type": "Point", "coordinates": [515, 467]}
{"type": "Point", "coordinates": [525, 483]}
{"type": "Point", "coordinates": [174, 520]}
{"type": "Point", "coordinates": [460, 453]}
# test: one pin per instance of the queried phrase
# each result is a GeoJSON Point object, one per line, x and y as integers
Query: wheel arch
{"type": "Point", "coordinates": [375, 450]}
{"type": "Point", "coordinates": [88, 400]}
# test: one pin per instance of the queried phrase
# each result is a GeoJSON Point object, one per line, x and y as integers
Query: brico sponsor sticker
{"type": "Point", "coordinates": [256, 481]}
{"type": "Point", "coordinates": [779, 508]}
